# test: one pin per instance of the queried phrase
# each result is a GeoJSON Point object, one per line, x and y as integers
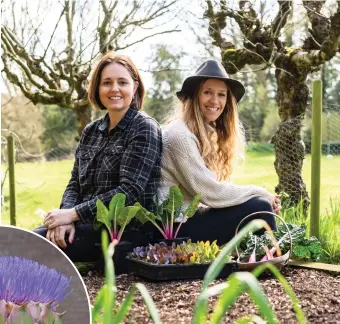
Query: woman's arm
{"type": "Point", "coordinates": [71, 196]}
{"type": "Point", "coordinates": [138, 161]}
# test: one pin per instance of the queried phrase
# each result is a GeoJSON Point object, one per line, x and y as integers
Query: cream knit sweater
{"type": "Point", "coordinates": [183, 165]}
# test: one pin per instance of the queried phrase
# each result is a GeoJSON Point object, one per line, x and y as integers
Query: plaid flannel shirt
{"type": "Point", "coordinates": [126, 159]}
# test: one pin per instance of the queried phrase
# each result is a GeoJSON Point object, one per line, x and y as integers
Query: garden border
{"type": "Point", "coordinates": [315, 265]}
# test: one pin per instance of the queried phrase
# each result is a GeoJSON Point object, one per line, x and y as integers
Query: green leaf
{"type": "Point", "coordinates": [301, 252]}
{"type": "Point", "coordinates": [126, 214]}
{"type": "Point", "coordinates": [124, 307]}
{"type": "Point", "coordinates": [288, 289]}
{"type": "Point", "coordinates": [99, 303]}
{"type": "Point", "coordinates": [250, 319]}
{"type": "Point", "coordinates": [174, 200]}
{"type": "Point", "coordinates": [192, 208]}
{"type": "Point", "coordinates": [143, 215]}
{"type": "Point", "coordinates": [109, 297]}
{"type": "Point", "coordinates": [314, 246]}
{"type": "Point", "coordinates": [102, 216]}
{"type": "Point", "coordinates": [200, 314]}
{"type": "Point", "coordinates": [116, 205]}
{"type": "Point", "coordinates": [149, 303]}
{"type": "Point", "coordinates": [237, 283]}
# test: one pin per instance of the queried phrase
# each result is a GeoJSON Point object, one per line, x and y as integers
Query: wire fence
{"type": "Point", "coordinates": [29, 163]}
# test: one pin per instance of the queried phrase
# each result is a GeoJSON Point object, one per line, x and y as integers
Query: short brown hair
{"type": "Point", "coordinates": [108, 58]}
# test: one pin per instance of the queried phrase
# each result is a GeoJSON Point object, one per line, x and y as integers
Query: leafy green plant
{"type": "Point", "coordinates": [303, 248]}
{"type": "Point", "coordinates": [117, 214]}
{"type": "Point", "coordinates": [167, 212]}
{"type": "Point", "coordinates": [200, 252]}
{"type": "Point", "coordinates": [185, 253]}
{"type": "Point", "coordinates": [102, 310]}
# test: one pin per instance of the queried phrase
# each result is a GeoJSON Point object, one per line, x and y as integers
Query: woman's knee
{"type": "Point", "coordinates": [260, 204]}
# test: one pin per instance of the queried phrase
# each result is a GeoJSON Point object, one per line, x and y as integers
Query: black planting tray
{"type": "Point", "coordinates": [163, 272]}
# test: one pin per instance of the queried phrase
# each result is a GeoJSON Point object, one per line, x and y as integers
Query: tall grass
{"type": "Point", "coordinates": [329, 227]}
{"type": "Point", "coordinates": [330, 232]}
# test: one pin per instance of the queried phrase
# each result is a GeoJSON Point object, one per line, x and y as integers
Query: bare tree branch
{"type": "Point", "coordinates": [51, 69]}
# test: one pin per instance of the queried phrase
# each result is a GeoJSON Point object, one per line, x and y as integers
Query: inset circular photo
{"type": "Point", "coordinates": [38, 282]}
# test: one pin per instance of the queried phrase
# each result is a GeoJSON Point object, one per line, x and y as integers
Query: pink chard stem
{"type": "Point", "coordinates": [162, 232]}
{"type": "Point", "coordinates": [179, 226]}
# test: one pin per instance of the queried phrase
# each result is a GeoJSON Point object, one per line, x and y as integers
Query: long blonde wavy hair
{"type": "Point", "coordinates": [222, 147]}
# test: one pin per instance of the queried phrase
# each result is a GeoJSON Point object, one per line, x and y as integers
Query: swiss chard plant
{"type": "Point", "coordinates": [167, 212]}
{"type": "Point", "coordinates": [116, 217]}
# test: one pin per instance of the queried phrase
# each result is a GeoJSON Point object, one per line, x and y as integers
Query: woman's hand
{"type": "Point", "coordinates": [57, 235]}
{"type": "Point", "coordinates": [57, 217]}
{"type": "Point", "coordinates": [276, 203]}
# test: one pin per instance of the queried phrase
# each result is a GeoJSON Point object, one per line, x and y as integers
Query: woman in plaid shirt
{"type": "Point", "coordinates": [119, 152]}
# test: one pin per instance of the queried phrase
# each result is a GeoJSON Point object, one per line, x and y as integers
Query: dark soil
{"type": "Point", "coordinates": [317, 291]}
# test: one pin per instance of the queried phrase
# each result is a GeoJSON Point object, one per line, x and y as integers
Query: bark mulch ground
{"type": "Point", "coordinates": [317, 291]}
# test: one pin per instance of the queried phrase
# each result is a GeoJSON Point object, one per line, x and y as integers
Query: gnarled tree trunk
{"type": "Point", "coordinates": [263, 47]}
{"type": "Point", "coordinates": [289, 147]}
{"type": "Point", "coordinates": [83, 117]}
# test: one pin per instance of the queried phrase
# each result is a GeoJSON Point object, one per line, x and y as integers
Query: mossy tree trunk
{"type": "Point", "coordinates": [83, 117]}
{"type": "Point", "coordinates": [262, 46]}
{"type": "Point", "coordinates": [292, 99]}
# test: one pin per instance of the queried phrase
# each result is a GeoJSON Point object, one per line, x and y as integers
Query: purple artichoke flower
{"type": "Point", "coordinates": [30, 290]}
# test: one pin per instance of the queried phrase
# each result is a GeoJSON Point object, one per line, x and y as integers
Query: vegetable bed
{"type": "Point", "coordinates": [317, 291]}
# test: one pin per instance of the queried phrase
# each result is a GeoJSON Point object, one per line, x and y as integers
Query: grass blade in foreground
{"type": "Point", "coordinates": [149, 303]}
{"type": "Point", "coordinates": [238, 282]}
{"type": "Point", "coordinates": [288, 289]}
{"type": "Point", "coordinates": [99, 303]}
{"type": "Point", "coordinates": [124, 307]}
{"type": "Point", "coordinates": [109, 297]}
{"type": "Point", "coordinates": [250, 319]}
{"type": "Point", "coordinates": [200, 315]}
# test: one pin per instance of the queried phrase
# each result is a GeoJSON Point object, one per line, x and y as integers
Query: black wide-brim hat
{"type": "Point", "coordinates": [210, 69]}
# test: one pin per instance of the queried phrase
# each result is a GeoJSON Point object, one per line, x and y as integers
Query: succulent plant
{"type": "Point", "coordinates": [185, 253]}
{"type": "Point", "coordinates": [30, 292]}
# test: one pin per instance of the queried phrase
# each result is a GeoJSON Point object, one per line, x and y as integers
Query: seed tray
{"type": "Point", "coordinates": [164, 272]}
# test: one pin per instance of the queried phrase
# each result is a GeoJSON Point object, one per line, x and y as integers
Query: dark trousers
{"type": "Point", "coordinates": [86, 246]}
{"type": "Point", "coordinates": [207, 224]}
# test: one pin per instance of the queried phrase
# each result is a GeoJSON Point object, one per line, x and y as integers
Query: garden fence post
{"type": "Point", "coordinates": [11, 177]}
{"type": "Point", "coordinates": [316, 158]}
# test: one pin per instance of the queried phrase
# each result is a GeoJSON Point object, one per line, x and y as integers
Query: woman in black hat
{"type": "Point", "coordinates": [200, 145]}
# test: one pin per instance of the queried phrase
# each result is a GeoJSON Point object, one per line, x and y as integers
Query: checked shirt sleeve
{"type": "Point", "coordinates": [138, 161]}
{"type": "Point", "coordinates": [71, 196]}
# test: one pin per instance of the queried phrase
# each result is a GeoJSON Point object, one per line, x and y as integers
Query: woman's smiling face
{"type": "Point", "coordinates": [212, 99]}
{"type": "Point", "coordinates": [116, 87]}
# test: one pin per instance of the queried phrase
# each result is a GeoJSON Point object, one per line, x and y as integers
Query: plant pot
{"type": "Point", "coordinates": [119, 261]}
{"type": "Point", "coordinates": [164, 272]}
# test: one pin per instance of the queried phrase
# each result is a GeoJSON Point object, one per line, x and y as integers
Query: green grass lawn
{"type": "Point", "coordinates": [41, 185]}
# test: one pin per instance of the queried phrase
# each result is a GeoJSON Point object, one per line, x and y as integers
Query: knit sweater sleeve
{"type": "Point", "coordinates": [183, 159]}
